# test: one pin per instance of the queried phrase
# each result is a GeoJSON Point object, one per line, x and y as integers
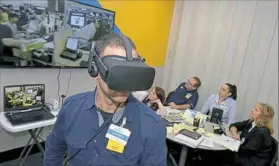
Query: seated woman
{"type": "Point", "coordinates": [225, 100]}
{"type": "Point", "coordinates": [256, 136]}
{"type": "Point", "coordinates": [155, 100]}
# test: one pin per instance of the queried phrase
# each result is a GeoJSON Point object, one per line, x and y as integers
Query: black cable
{"type": "Point", "coordinates": [69, 81]}
{"type": "Point", "coordinates": [95, 135]}
{"type": "Point", "coordinates": [58, 84]}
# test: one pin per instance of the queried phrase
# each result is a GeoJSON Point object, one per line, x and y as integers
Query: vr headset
{"type": "Point", "coordinates": [122, 73]}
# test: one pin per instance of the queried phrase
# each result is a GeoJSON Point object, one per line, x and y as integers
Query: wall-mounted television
{"type": "Point", "coordinates": [33, 36]}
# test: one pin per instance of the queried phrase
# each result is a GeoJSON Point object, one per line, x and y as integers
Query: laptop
{"type": "Point", "coordinates": [70, 51]}
{"type": "Point", "coordinates": [25, 104]}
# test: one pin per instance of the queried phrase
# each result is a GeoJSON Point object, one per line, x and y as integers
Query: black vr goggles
{"type": "Point", "coordinates": [122, 73]}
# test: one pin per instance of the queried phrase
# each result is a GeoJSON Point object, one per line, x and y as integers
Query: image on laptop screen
{"type": "Point", "coordinates": [72, 44]}
{"type": "Point", "coordinates": [23, 97]}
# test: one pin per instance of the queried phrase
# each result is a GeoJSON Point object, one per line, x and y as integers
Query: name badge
{"type": "Point", "coordinates": [118, 134]}
{"type": "Point", "coordinates": [188, 95]}
{"type": "Point", "coordinates": [115, 146]}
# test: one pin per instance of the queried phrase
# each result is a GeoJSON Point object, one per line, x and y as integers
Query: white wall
{"type": "Point", "coordinates": [226, 41]}
{"type": "Point", "coordinates": [80, 82]}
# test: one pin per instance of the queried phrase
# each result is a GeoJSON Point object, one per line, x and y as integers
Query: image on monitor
{"type": "Point", "coordinates": [79, 15]}
{"type": "Point", "coordinates": [42, 31]}
{"type": "Point", "coordinates": [72, 44]}
{"type": "Point", "coordinates": [23, 97]}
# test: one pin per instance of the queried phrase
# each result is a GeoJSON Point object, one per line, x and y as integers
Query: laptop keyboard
{"type": "Point", "coordinates": [33, 115]}
{"type": "Point", "coordinates": [27, 115]}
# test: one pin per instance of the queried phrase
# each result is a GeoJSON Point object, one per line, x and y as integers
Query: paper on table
{"type": "Point", "coordinates": [201, 130]}
{"type": "Point", "coordinates": [169, 130]}
{"type": "Point", "coordinates": [207, 142]}
{"type": "Point", "coordinates": [180, 126]}
{"type": "Point", "coordinates": [227, 142]}
{"type": "Point", "coordinates": [49, 45]}
{"type": "Point", "coordinates": [209, 134]}
{"type": "Point", "coordinates": [172, 111]}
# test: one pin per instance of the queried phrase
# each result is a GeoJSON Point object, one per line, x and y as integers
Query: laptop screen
{"type": "Point", "coordinates": [19, 97]}
{"type": "Point", "coordinates": [72, 44]}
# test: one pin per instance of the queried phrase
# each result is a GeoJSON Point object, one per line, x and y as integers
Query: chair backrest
{"type": "Point", "coordinates": [274, 152]}
{"type": "Point", "coordinates": [168, 97]}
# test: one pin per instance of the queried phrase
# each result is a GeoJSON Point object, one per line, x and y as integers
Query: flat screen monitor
{"type": "Point", "coordinates": [79, 15]}
{"type": "Point", "coordinates": [47, 32]}
{"type": "Point", "coordinates": [77, 19]}
{"type": "Point", "coordinates": [20, 97]}
{"type": "Point", "coordinates": [72, 44]}
{"type": "Point", "coordinates": [216, 115]}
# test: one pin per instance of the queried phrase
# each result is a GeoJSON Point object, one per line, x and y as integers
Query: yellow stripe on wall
{"type": "Point", "coordinates": [147, 23]}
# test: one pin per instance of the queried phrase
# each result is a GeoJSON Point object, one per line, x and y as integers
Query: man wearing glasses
{"type": "Point", "coordinates": [185, 96]}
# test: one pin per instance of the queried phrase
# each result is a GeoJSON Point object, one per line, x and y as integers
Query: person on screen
{"type": "Point", "coordinates": [155, 100]}
{"type": "Point", "coordinates": [12, 23]}
{"type": "Point", "coordinates": [185, 96]}
{"type": "Point", "coordinates": [225, 100]}
{"type": "Point", "coordinates": [256, 147]}
{"type": "Point", "coordinates": [77, 129]}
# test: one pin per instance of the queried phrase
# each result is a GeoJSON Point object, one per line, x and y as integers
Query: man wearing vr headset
{"type": "Point", "coordinates": [109, 126]}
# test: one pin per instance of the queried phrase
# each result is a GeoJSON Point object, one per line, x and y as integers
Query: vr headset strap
{"type": "Point", "coordinates": [128, 48]}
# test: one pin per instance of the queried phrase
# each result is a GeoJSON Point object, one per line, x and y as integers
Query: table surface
{"type": "Point", "coordinates": [6, 124]}
{"type": "Point", "coordinates": [216, 147]}
{"type": "Point", "coordinates": [171, 136]}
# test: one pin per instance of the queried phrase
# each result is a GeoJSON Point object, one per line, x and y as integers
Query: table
{"type": "Point", "coordinates": [34, 129]}
{"type": "Point", "coordinates": [186, 145]}
{"type": "Point", "coordinates": [184, 150]}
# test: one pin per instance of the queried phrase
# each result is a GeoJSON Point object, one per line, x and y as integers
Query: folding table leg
{"type": "Point", "coordinates": [35, 138]}
{"type": "Point", "coordinates": [23, 151]}
{"type": "Point", "coordinates": [183, 156]}
{"type": "Point", "coordinates": [34, 134]}
{"type": "Point", "coordinates": [172, 159]}
{"type": "Point", "coordinates": [27, 153]}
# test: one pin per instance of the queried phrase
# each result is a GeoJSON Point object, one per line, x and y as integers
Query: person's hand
{"type": "Point", "coordinates": [173, 105]}
{"type": "Point", "coordinates": [236, 136]}
{"type": "Point", "coordinates": [156, 101]}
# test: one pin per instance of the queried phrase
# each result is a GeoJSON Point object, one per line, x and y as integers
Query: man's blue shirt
{"type": "Point", "coordinates": [78, 121]}
{"type": "Point", "coordinates": [182, 96]}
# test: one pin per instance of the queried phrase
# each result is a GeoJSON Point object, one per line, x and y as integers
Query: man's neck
{"type": "Point", "coordinates": [104, 103]}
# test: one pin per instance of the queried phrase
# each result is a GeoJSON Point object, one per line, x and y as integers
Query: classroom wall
{"type": "Point", "coordinates": [149, 31]}
{"type": "Point", "coordinates": [227, 41]}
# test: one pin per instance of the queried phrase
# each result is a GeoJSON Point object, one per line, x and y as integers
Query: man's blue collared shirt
{"type": "Point", "coordinates": [78, 121]}
{"type": "Point", "coordinates": [182, 96]}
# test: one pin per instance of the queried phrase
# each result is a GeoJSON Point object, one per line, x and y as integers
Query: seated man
{"type": "Point", "coordinates": [185, 96]}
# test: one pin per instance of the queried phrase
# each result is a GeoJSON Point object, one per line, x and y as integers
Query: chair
{"type": "Point", "coordinates": [165, 104]}
{"type": "Point", "coordinates": [274, 152]}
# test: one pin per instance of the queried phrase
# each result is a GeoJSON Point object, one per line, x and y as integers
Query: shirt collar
{"type": "Point", "coordinates": [90, 100]}
{"type": "Point", "coordinates": [129, 111]}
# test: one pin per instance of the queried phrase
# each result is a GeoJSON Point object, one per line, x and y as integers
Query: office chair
{"type": "Point", "coordinates": [165, 104]}
{"type": "Point", "coordinates": [274, 152]}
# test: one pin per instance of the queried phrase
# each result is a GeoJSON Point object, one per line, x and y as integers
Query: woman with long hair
{"type": "Point", "coordinates": [155, 100]}
{"type": "Point", "coordinates": [256, 138]}
{"type": "Point", "coordinates": [225, 100]}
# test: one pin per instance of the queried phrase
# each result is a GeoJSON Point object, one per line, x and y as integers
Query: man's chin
{"type": "Point", "coordinates": [120, 99]}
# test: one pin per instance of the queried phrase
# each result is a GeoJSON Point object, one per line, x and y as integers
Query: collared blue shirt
{"type": "Point", "coordinates": [78, 121]}
{"type": "Point", "coordinates": [228, 106]}
{"type": "Point", "coordinates": [182, 96]}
